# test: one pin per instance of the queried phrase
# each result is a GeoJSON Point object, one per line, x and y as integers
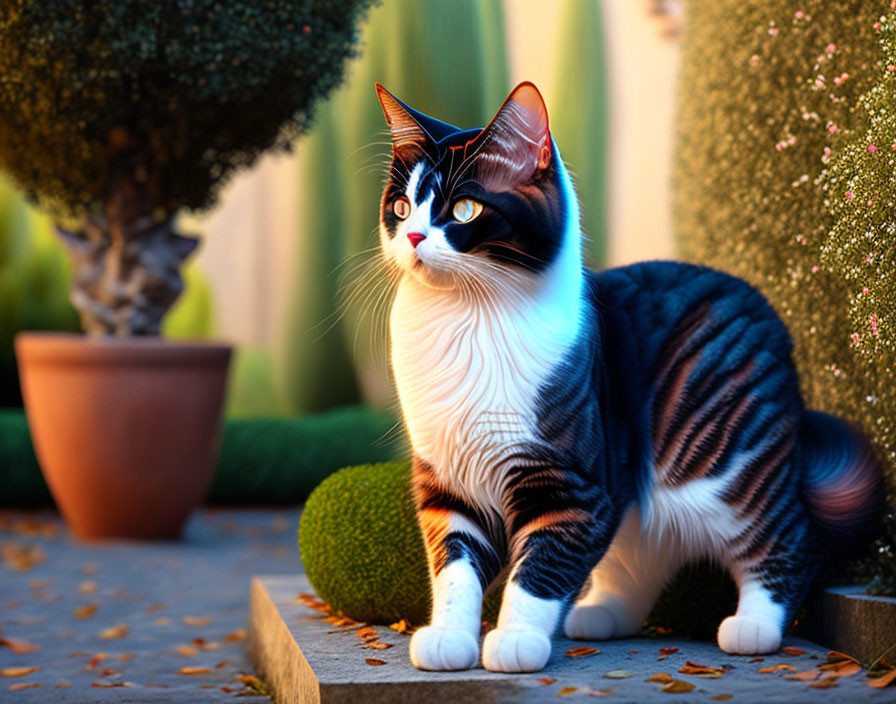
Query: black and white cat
{"type": "Point", "coordinates": [590, 431]}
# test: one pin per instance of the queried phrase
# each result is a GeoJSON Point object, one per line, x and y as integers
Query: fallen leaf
{"type": "Point", "coordinates": [109, 671]}
{"type": "Point", "coordinates": [253, 683]}
{"type": "Point", "coordinates": [23, 685]}
{"type": "Point", "coordinates": [226, 689]}
{"type": "Point", "coordinates": [618, 674]}
{"type": "Point", "coordinates": [155, 607]}
{"type": "Point", "coordinates": [21, 557]}
{"type": "Point", "coordinates": [400, 626]}
{"type": "Point", "coordinates": [186, 650]}
{"type": "Point", "coordinates": [805, 676]}
{"type": "Point", "coordinates": [678, 687]}
{"type": "Point", "coordinates": [721, 697]}
{"type": "Point", "coordinates": [581, 651]}
{"type": "Point", "coordinates": [124, 657]}
{"type": "Point", "coordinates": [825, 682]}
{"type": "Point", "coordinates": [756, 660]}
{"type": "Point", "coordinates": [196, 620]}
{"type": "Point", "coordinates": [222, 664]}
{"type": "Point", "coordinates": [88, 588]}
{"type": "Point", "coordinates": [202, 644]}
{"type": "Point", "coordinates": [566, 691]}
{"type": "Point", "coordinates": [668, 651]}
{"type": "Point", "coordinates": [662, 677]}
{"type": "Point", "coordinates": [793, 651]}
{"type": "Point", "coordinates": [95, 660]}
{"type": "Point", "coordinates": [547, 680]}
{"type": "Point", "coordinates": [368, 633]}
{"type": "Point", "coordinates": [89, 569]}
{"type": "Point", "coordinates": [599, 692]}
{"type": "Point", "coordinates": [119, 630]}
{"type": "Point", "coordinates": [162, 621]}
{"type": "Point", "coordinates": [193, 670]}
{"type": "Point", "coordinates": [17, 671]}
{"type": "Point", "coordinates": [850, 669]}
{"type": "Point", "coordinates": [775, 668]}
{"type": "Point", "coordinates": [238, 635]}
{"type": "Point", "coordinates": [377, 645]}
{"type": "Point", "coordinates": [110, 685]}
{"type": "Point", "coordinates": [63, 685]}
{"type": "Point", "coordinates": [834, 655]}
{"type": "Point", "coordinates": [692, 668]}
{"type": "Point", "coordinates": [19, 646]}
{"type": "Point", "coordinates": [882, 681]}
{"type": "Point", "coordinates": [374, 661]}
{"type": "Point", "coordinates": [85, 611]}
{"type": "Point", "coordinates": [633, 652]}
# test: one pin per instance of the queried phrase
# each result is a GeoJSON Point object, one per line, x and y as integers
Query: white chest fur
{"type": "Point", "coordinates": [468, 375]}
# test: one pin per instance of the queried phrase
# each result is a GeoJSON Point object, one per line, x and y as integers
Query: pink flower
{"type": "Point", "coordinates": [872, 148]}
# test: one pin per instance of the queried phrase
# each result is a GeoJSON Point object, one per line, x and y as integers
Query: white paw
{"type": "Point", "coordinates": [748, 635]}
{"type": "Point", "coordinates": [590, 623]}
{"type": "Point", "coordinates": [512, 650]}
{"type": "Point", "coordinates": [435, 648]}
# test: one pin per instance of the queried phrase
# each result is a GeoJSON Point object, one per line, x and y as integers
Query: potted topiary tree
{"type": "Point", "coordinates": [114, 116]}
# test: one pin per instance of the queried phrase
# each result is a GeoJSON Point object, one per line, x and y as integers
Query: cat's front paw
{"type": "Point", "coordinates": [436, 648]}
{"type": "Point", "coordinates": [515, 650]}
{"type": "Point", "coordinates": [748, 635]}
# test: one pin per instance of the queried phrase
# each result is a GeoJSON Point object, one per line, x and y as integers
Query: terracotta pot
{"type": "Point", "coordinates": [125, 429]}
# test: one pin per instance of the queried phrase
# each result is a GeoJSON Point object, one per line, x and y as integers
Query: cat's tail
{"type": "Point", "coordinates": [842, 483]}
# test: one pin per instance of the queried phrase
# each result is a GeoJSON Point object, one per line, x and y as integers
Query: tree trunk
{"type": "Point", "coordinates": [127, 259]}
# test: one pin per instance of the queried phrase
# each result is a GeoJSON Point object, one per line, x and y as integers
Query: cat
{"type": "Point", "coordinates": [589, 433]}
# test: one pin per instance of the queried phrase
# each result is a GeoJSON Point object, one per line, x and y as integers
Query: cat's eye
{"type": "Point", "coordinates": [466, 210]}
{"type": "Point", "coordinates": [402, 208]}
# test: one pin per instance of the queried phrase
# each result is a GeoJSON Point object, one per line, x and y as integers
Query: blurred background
{"type": "Point", "coordinates": [290, 234]}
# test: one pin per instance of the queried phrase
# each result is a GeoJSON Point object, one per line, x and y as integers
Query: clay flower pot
{"type": "Point", "coordinates": [125, 429]}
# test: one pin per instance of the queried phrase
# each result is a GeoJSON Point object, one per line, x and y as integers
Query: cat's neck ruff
{"type": "Point", "coordinates": [469, 370]}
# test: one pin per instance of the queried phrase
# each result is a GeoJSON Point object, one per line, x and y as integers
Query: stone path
{"type": "Point", "coordinates": [118, 622]}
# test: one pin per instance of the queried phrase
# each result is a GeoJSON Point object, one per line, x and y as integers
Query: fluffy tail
{"type": "Point", "coordinates": [842, 483]}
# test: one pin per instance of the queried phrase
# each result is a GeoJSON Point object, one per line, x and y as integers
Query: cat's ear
{"type": "Point", "coordinates": [407, 133]}
{"type": "Point", "coordinates": [516, 143]}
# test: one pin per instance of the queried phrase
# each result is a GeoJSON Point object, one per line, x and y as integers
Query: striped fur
{"type": "Point", "coordinates": [591, 432]}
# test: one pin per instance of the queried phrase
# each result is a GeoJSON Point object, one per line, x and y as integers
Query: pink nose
{"type": "Point", "coordinates": [416, 238]}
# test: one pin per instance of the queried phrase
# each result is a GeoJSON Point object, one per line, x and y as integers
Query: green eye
{"type": "Point", "coordinates": [466, 210]}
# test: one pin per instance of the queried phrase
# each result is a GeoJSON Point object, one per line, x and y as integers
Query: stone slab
{"type": "Point", "coordinates": [305, 659]}
{"type": "Point", "coordinates": [857, 623]}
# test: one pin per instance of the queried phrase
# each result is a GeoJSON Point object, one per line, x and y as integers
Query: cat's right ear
{"type": "Point", "coordinates": [407, 134]}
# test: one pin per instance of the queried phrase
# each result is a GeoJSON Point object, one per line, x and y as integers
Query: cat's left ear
{"type": "Point", "coordinates": [516, 143]}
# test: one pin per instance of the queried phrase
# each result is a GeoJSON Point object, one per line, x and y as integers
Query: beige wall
{"type": "Point", "coordinates": [249, 246]}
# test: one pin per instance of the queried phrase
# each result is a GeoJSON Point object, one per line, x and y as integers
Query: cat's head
{"type": "Point", "coordinates": [464, 205]}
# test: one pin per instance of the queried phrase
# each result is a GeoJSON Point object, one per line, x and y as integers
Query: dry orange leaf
{"type": "Point", "coordinates": [124, 657]}
{"type": "Point", "coordinates": [119, 630]}
{"type": "Point", "coordinates": [374, 661]}
{"type": "Point", "coordinates": [721, 697]}
{"type": "Point", "coordinates": [196, 620]}
{"type": "Point", "coordinates": [677, 687]}
{"type": "Point", "coordinates": [775, 668]}
{"type": "Point", "coordinates": [368, 633]}
{"type": "Point", "coordinates": [756, 660]}
{"type": "Point", "coordinates": [238, 635]}
{"type": "Point", "coordinates": [668, 651]}
{"type": "Point", "coordinates": [547, 680]}
{"type": "Point", "coordinates": [186, 650]}
{"type": "Point", "coordinates": [23, 685]}
{"type": "Point", "coordinates": [109, 671]}
{"type": "Point", "coordinates": [793, 651]}
{"type": "Point", "coordinates": [155, 607]}
{"type": "Point", "coordinates": [848, 669]}
{"type": "Point", "coordinates": [834, 655]}
{"type": "Point", "coordinates": [17, 671]}
{"type": "Point", "coordinates": [377, 645]}
{"type": "Point", "coordinates": [662, 677]}
{"type": "Point", "coordinates": [825, 682]}
{"type": "Point", "coordinates": [95, 660]}
{"type": "Point", "coordinates": [88, 588]}
{"type": "Point", "coordinates": [566, 691]}
{"type": "Point", "coordinates": [21, 557]}
{"type": "Point", "coordinates": [882, 681]}
{"type": "Point", "coordinates": [193, 670]}
{"type": "Point", "coordinates": [85, 611]}
{"type": "Point", "coordinates": [692, 668]}
{"type": "Point", "coordinates": [805, 676]}
{"type": "Point", "coordinates": [581, 651]}
{"type": "Point", "coordinates": [19, 646]}
{"type": "Point", "coordinates": [110, 685]}
{"type": "Point", "coordinates": [222, 664]}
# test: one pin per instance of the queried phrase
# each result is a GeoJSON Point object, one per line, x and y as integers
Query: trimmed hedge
{"type": "Point", "coordinates": [262, 461]}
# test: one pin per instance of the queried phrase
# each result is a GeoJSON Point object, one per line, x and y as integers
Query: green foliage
{"type": "Point", "coordinates": [252, 391]}
{"type": "Point", "coordinates": [202, 86]}
{"type": "Point", "coordinates": [362, 548]}
{"type": "Point", "coordinates": [878, 571]}
{"type": "Point", "coordinates": [193, 316]}
{"type": "Point", "coordinates": [860, 185]}
{"type": "Point", "coordinates": [34, 276]}
{"type": "Point", "coordinates": [445, 58]}
{"type": "Point", "coordinates": [579, 118]}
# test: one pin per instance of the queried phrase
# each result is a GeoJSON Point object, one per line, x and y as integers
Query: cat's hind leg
{"type": "Point", "coordinates": [772, 587]}
{"type": "Point", "coordinates": [623, 586]}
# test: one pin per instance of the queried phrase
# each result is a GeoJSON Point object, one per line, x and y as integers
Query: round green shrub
{"type": "Point", "coordinates": [361, 545]}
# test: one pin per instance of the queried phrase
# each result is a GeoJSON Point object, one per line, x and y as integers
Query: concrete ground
{"type": "Point", "coordinates": [119, 621]}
